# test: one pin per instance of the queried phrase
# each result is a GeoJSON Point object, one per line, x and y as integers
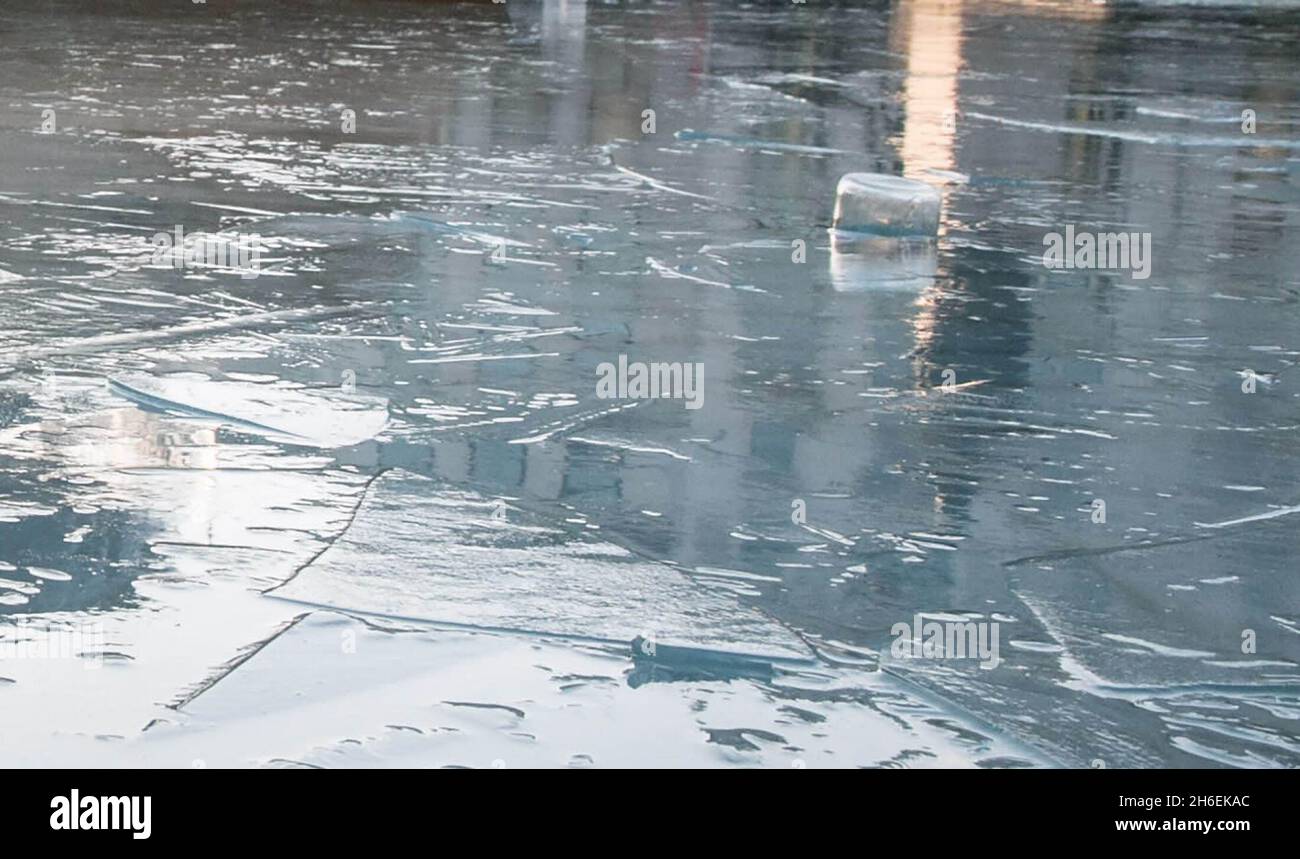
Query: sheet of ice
{"type": "Point", "coordinates": [318, 419]}
{"type": "Point", "coordinates": [149, 607]}
{"type": "Point", "coordinates": [420, 549]}
{"type": "Point", "coordinates": [332, 691]}
{"type": "Point", "coordinates": [886, 205]}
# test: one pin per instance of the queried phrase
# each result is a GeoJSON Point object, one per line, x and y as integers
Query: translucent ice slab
{"type": "Point", "coordinates": [317, 419]}
{"type": "Point", "coordinates": [886, 205]}
{"type": "Point", "coordinates": [419, 549]}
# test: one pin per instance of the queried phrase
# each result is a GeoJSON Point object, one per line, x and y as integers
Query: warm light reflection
{"type": "Point", "coordinates": [929, 32]}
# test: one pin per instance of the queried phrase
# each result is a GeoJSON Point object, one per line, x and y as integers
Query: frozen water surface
{"type": "Point", "coordinates": [884, 431]}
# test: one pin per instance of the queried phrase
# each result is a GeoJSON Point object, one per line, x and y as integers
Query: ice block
{"type": "Point", "coordinates": [884, 205]}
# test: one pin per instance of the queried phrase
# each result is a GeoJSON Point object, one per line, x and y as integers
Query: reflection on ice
{"type": "Point", "coordinates": [860, 263]}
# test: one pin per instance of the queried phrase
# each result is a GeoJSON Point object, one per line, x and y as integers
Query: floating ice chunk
{"type": "Point", "coordinates": [49, 574]}
{"type": "Point", "coordinates": [886, 205]}
{"type": "Point", "coordinates": [317, 419]}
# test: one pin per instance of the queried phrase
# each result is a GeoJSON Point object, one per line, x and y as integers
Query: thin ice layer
{"type": "Point", "coordinates": [318, 419]}
{"type": "Point", "coordinates": [334, 692]}
{"type": "Point", "coordinates": [420, 549]}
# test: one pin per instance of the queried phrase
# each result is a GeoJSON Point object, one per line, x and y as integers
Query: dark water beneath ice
{"type": "Point", "coordinates": [1121, 641]}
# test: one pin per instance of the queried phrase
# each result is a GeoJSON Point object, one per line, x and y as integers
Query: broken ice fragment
{"type": "Point", "coordinates": [421, 550]}
{"type": "Point", "coordinates": [886, 205]}
{"type": "Point", "coordinates": [49, 575]}
{"type": "Point", "coordinates": [318, 419]}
